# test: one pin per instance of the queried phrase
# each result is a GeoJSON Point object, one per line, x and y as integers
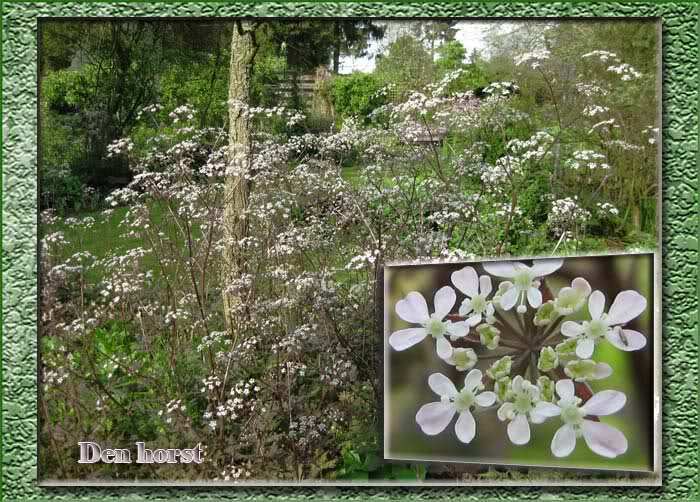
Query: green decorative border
{"type": "Point", "coordinates": [680, 244]}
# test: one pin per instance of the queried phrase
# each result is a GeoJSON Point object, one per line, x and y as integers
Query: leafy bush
{"type": "Point", "coordinates": [356, 95]}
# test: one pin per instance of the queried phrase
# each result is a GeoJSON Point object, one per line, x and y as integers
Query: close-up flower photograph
{"type": "Point", "coordinates": [558, 372]}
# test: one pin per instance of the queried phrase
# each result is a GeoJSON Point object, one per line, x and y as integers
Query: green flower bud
{"type": "Point", "coordinates": [586, 369]}
{"type": "Point", "coordinates": [500, 387]}
{"type": "Point", "coordinates": [546, 388]}
{"type": "Point", "coordinates": [489, 336]}
{"type": "Point", "coordinates": [500, 368]}
{"type": "Point", "coordinates": [545, 314]}
{"type": "Point", "coordinates": [462, 359]}
{"type": "Point", "coordinates": [567, 350]}
{"type": "Point", "coordinates": [548, 359]}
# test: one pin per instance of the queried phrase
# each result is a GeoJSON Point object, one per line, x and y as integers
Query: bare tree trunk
{"type": "Point", "coordinates": [236, 188]}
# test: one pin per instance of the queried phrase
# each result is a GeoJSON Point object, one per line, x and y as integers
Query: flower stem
{"type": "Point", "coordinates": [551, 329]}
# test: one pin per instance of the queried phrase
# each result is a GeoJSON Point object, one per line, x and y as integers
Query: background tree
{"type": "Point", "coordinates": [407, 65]}
{"type": "Point", "coordinates": [352, 36]}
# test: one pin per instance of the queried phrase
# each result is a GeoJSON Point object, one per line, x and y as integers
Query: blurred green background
{"type": "Point", "coordinates": [407, 372]}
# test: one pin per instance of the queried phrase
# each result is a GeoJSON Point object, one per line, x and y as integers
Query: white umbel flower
{"type": "Point", "coordinates": [626, 306]}
{"type": "Point", "coordinates": [601, 438]}
{"type": "Point", "coordinates": [476, 289]}
{"type": "Point", "coordinates": [434, 417]}
{"type": "Point", "coordinates": [523, 406]}
{"type": "Point", "coordinates": [523, 281]}
{"type": "Point", "coordinates": [414, 309]}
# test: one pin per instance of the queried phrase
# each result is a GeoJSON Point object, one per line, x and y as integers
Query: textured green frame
{"type": "Point", "coordinates": [680, 244]}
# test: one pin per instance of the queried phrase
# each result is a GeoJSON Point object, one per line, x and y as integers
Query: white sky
{"type": "Point", "coordinates": [470, 34]}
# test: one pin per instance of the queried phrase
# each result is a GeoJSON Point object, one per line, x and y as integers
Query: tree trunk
{"type": "Point", "coordinates": [236, 188]}
{"type": "Point", "coordinates": [336, 47]}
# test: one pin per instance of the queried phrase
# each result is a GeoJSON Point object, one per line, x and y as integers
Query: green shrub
{"type": "Point", "coordinates": [356, 94]}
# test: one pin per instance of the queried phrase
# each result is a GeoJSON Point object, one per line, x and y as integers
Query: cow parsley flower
{"type": "Point", "coordinates": [522, 406]}
{"type": "Point", "coordinates": [572, 299]}
{"type": "Point", "coordinates": [462, 359]}
{"type": "Point", "coordinates": [626, 306]}
{"type": "Point", "coordinates": [601, 438]}
{"type": "Point", "coordinates": [434, 417]}
{"type": "Point", "coordinates": [414, 309]}
{"type": "Point", "coordinates": [524, 281]}
{"type": "Point", "coordinates": [476, 289]}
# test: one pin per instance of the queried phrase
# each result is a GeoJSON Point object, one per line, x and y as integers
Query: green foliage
{"type": "Point", "coordinates": [63, 90]}
{"type": "Point", "coordinates": [356, 95]}
{"type": "Point", "coordinates": [200, 83]}
{"type": "Point", "coordinates": [61, 190]}
{"type": "Point", "coordinates": [269, 72]}
{"type": "Point", "coordinates": [450, 56]}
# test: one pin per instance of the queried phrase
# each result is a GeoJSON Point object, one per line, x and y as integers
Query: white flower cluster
{"type": "Point", "coordinates": [120, 146]}
{"type": "Point", "coordinates": [587, 159]}
{"type": "Point", "coordinates": [593, 110]}
{"type": "Point", "coordinates": [502, 89]}
{"type": "Point", "coordinates": [626, 71]}
{"type": "Point", "coordinates": [607, 209]}
{"type": "Point", "coordinates": [534, 59]}
{"type": "Point", "coordinates": [521, 402]}
{"type": "Point", "coordinates": [566, 214]}
{"type": "Point", "coordinates": [181, 113]}
{"type": "Point", "coordinates": [173, 408]}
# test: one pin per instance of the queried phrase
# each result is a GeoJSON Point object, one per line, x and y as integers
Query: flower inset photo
{"type": "Point", "coordinates": [544, 362]}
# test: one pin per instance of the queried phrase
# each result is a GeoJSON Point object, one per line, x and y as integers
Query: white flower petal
{"type": "Point", "coordinates": [504, 411]}
{"type": "Point", "coordinates": [485, 286]}
{"type": "Point", "coordinates": [565, 388]}
{"type": "Point", "coordinates": [544, 410]}
{"type": "Point", "coordinates": [581, 285]}
{"type": "Point", "coordinates": [474, 320]}
{"type": "Point", "coordinates": [519, 430]}
{"type": "Point", "coordinates": [466, 280]}
{"type": "Point", "coordinates": [626, 306]}
{"type": "Point", "coordinates": [546, 267]}
{"type": "Point", "coordinates": [441, 385]}
{"type": "Point", "coordinates": [434, 417]}
{"type": "Point", "coordinates": [490, 310]}
{"type": "Point", "coordinates": [596, 304]}
{"type": "Point", "coordinates": [585, 348]}
{"type": "Point", "coordinates": [564, 441]}
{"type": "Point", "coordinates": [413, 308]}
{"type": "Point", "coordinates": [602, 370]}
{"type": "Point", "coordinates": [458, 329]}
{"type": "Point", "coordinates": [571, 329]}
{"type": "Point", "coordinates": [509, 298]}
{"type": "Point", "coordinates": [534, 297]}
{"type": "Point", "coordinates": [517, 384]}
{"type": "Point", "coordinates": [486, 399]}
{"type": "Point", "coordinates": [465, 307]}
{"type": "Point", "coordinates": [626, 339]}
{"type": "Point", "coordinates": [444, 348]}
{"type": "Point", "coordinates": [405, 338]}
{"type": "Point", "coordinates": [501, 268]}
{"type": "Point", "coordinates": [473, 380]}
{"type": "Point", "coordinates": [605, 402]}
{"type": "Point", "coordinates": [604, 440]}
{"type": "Point", "coordinates": [444, 300]}
{"type": "Point", "coordinates": [465, 427]}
